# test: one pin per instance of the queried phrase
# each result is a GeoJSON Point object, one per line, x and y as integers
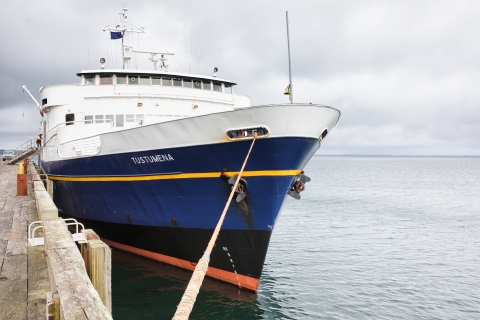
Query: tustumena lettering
{"type": "Point", "coordinates": [152, 159]}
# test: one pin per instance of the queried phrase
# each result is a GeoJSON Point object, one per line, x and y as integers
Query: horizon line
{"type": "Point", "coordinates": [393, 155]}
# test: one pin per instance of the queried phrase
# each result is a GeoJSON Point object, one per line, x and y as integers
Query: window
{"type": "Point", "coordinates": [187, 83]}
{"type": "Point", "coordinates": [69, 118]}
{"type": "Point", "coordinates": [88, 119]}
{"type": "Point", "coordinates": [228, 88]}
{"type": "Point", "coordinates": [99, 119]}
{"type": "Point", "coordinates": [106, 79]}
{"type": "Point", "coordinates": [44, 101]}
{"type": "Point", "coordinates": [119, 120]}
{"type": "Point", "coordinates": [197, 84]}
{"type": "Point", "coordinates": [167, 82]}
{"type": "Point", "coordinates": [89, 80]}
{"type": "Point", "coordinates": [177, 82]}
{"type": "Point", "coordinates": [207, 85]}
{"type": "Point", "coordinates": [155, 81]}
{"type": "Point", "coordinates": [109, 119]}
{"type": "Point", "coordinates": [139, 118]}
{"type": "Point", "coordinates": [132, 80]}
{"type": "Point", "coordinates": [145, 81]}
{"type": "Point", "coordinates": [121, 80]}
{"type": "Point", "coordinates": [217, 86]}
{"type": "Point", "coordinates": [129, 118]}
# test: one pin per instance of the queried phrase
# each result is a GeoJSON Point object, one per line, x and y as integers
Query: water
{"type": "Point", "coordinates": [372, 238]}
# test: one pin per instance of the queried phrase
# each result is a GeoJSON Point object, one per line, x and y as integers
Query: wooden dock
{"type": "Point", "coordinates": [57, 269]}
{"type": "Point", "coordinates": [14, 297]}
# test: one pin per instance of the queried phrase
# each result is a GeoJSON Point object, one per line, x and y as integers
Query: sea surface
{"type": "Point", "coordinates": [371, 238]}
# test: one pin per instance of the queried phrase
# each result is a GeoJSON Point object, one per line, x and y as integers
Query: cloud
{"type": "Point", "coordinates": [403, 74]}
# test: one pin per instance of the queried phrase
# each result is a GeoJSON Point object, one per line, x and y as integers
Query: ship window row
{"type": "Point", "coordinates": [117, 120]}
{"type": "Point", "coordinates": [134, 80]}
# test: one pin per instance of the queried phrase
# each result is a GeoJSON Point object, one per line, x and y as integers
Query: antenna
{"type": "Point", "coordinates": [289, 64]}
{"type": "Point", "coordinates": [121, 30]}
{"type": "Point", "coordinates": [155, 59]}
{"type": "Point", "coordinates": [188, 53]}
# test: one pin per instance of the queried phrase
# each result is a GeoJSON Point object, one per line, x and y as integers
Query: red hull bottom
{"type": "Point", "coordinates": [243, 282]}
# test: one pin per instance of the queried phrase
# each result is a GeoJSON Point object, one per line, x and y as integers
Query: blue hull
{"type": "Point", "coordinates": [107, 198]}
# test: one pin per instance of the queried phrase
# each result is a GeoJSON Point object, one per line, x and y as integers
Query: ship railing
{"type": "Point", "coordinates": [28, 145]}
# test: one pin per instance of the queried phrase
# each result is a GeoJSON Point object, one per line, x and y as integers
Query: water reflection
{"type": "Point", "coordinates": [147, 289]}
{"type": "Point", "coordinates": [372, 238]}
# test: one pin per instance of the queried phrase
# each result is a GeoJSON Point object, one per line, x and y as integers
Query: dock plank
{"type": "Point", "coordinates": [14, 267]}
{"type": "Point", "coordinates": [3, 247]}
{"type": "Point", "coordinates": [13, 310]}
{"type": "Point", "coordinates": [14, 290]}
{"type": "Point", "coordinates": [13, 249]}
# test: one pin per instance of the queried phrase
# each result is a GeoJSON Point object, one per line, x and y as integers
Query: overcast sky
{"type": "Point", "coordinates": [404, 74]}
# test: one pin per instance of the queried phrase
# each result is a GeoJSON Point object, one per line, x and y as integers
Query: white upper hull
{"type": "Point", "coordinates": [303, 120]}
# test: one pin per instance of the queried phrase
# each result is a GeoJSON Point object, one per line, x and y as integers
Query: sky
{"type": "Point", "coordinates": [404, 74]}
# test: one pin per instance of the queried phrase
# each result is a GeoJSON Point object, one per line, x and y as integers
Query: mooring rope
{"type": "Point", "coordinates": [190, 295]}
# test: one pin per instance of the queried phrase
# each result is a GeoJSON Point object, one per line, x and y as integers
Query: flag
{"type": "Point", "coordinates": [115, 35]}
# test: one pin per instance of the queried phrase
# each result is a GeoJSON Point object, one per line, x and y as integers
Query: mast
{"type": "Point", "coordinates": [289, 63]}
{"type": "Point", "coordinates": [125, 28]}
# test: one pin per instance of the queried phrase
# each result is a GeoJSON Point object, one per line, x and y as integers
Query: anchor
{"type": "Point", "coordinates": [242, 185]}
{"type": "Point", "coordinates": [298, 186]}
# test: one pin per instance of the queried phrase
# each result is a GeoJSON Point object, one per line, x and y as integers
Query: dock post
{"type": "Point", "coordinates": [56, 307]}
{"type": "Point", "coordinates": [90, 235]}
{"type": "Point", "coordinates": [99, 270]}
{"type": "Point", "coordinates": [50, 188]}
{"type": "Point", "coordinates": [21, 181]}
{"type": "Point", "coordinates": [53, 306]}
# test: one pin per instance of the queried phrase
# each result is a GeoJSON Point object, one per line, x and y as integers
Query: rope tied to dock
{"type": "Point", "coordinates": [190, 295]}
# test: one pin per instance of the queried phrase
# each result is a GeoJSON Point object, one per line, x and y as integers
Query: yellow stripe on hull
{"type": "Point", "coordinates": [263, 173]}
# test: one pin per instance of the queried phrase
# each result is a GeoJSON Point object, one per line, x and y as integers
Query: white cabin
{"type": "Point", "coordinates": [110, 100]}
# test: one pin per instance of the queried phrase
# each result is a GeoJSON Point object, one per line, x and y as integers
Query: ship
{"type": "Point", "coordinates": [146, 158]}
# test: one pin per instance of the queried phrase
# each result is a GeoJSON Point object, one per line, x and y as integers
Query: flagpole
{"type": "Point", "coordinates": [289, 63]}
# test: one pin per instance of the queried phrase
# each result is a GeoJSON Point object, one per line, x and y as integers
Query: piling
{"type": "Point", "coordinates": [99, 270]}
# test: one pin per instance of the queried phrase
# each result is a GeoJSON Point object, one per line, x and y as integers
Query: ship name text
{"type": "Point", "coordinates": [151, 159]}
